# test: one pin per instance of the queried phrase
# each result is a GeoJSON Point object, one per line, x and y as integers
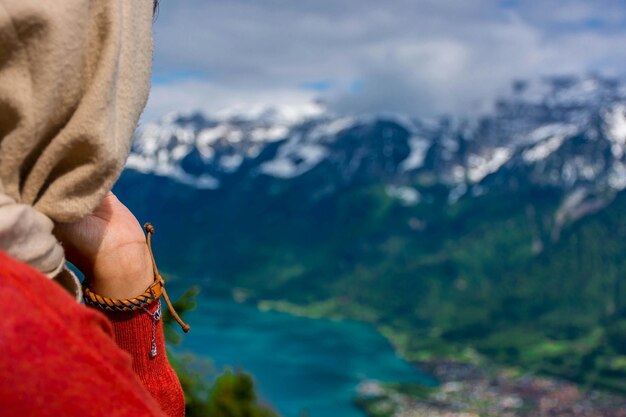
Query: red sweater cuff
{"type": "Point", "coordinates": [133, 333]}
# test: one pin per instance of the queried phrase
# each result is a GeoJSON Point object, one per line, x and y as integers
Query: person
{"type": "Point", "coordinates": [74, 79]}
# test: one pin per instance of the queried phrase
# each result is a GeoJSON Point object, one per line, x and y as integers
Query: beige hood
{"type": "Point", "coordinates": [74, 78]}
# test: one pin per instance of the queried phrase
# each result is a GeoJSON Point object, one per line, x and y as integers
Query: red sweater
{"type": "Point", "coordinates": [59, 358]}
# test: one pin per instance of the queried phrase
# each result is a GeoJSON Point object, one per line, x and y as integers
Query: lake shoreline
{"type": "Point", "coordinates": [470, 385]}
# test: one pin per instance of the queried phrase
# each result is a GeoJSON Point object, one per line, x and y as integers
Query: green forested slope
{"type": "Point", "coordinates": [485, 272]}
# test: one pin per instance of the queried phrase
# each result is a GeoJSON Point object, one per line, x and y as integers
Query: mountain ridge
{"type": "Point", "coordinates": [569, 133]}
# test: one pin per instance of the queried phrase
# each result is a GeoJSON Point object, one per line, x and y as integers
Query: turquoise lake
{"type": "Point", "coordinates": [299, 364]}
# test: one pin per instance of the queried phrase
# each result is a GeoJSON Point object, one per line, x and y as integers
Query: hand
{"type": "Point", "coordinates": [109, 247]}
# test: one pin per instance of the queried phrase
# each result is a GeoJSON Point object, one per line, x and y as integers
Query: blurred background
{"type": "Point", "coordinates": [400, 208]}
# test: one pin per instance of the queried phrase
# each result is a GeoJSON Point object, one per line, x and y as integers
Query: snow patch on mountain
{"type": "Point", "coordinates": [303, 151]}
{"type": "Point", "coordinates": [207, 137]}
{"type": "Point", "coordinates": [617, 176]}
{"type": "Point", "coordinates": [407, 196]}
{"type": "Point", "coordinates": [294, 161]}
{"type": "Point", "coordinates": [616, 128]}
{"type": "Point", "coordinates": [419, 146]}
{"type": "Point", "coordinates": [230, 163]}
{"type": "Point", "coordinates": [328, 131]}
{"type": "Point", "coordinates": [579, 203]}
{"type": "Point", "coordinates": [543, 149]}
{"type": "Point", "coordinates": [479, 166]}
{"type": "Point", "coordinates": [548, 131]}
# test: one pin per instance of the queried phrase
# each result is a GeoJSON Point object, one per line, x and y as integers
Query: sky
{"type": "Point", "coordinates": [416, 57]}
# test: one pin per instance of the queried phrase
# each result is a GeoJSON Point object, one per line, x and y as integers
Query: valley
{"type": "Point", "coordinates": [500, 237]}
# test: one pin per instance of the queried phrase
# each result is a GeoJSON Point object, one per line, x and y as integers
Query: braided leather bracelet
{"type": "Point", "coordinates": [153, 292]}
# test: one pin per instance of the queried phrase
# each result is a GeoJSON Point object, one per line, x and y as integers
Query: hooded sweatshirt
{"type": "Point", "coordinates": [74, 79]}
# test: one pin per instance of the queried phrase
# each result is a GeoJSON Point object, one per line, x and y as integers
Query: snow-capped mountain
{"type": "Point", "coordinates": [568, 133]}
{"type": "Point", "coordinates": [533, 123]}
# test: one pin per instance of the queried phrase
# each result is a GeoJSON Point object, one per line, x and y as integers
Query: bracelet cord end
{"type": "Point", "coordinates": [158, 278]}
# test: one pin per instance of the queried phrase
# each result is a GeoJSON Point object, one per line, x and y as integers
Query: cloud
{"type": "Point", "coordinates": [191, 95]}
{"type": "Point", "coordinates": [412, 56]}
